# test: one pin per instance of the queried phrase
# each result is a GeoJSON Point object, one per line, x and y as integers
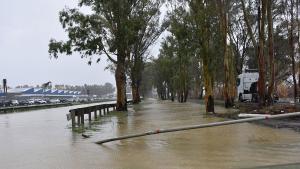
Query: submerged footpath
{"type": "Point", "coordinates": [253, 108]}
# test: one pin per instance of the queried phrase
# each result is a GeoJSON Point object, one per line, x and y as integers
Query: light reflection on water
{"type": "Point", "coordinates": [43, 139]}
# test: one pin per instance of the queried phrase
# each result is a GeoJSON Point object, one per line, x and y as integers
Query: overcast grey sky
{"type": "Point", "coordinates": [25, 31]}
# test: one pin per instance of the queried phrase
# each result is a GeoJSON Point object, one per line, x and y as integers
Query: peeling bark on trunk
{"type": "Point", "coordinates": [135, 94]}
{"type": "Point", "coordinates": [271, 51]}
{"type": "Point", "coordinates": [208, 83]}
{"type": "Point", "coordinates": [136, 76]}
{"type": "Point", "coordinates": [298, 31]}
{"type": "Point", "coordinates": [261, 57]}
{"type": "Point", "coordinates": [121, 85]}
{"type": "Point", "coordinates": [292, 48]}
{"type": "Point", "coordinates": [228, 95]}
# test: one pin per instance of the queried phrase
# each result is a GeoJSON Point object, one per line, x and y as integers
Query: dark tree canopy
{"type": "Point", "coordinates": [109, 28]}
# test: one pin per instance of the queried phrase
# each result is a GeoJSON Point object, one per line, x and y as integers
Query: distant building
{"type": "Point", "coordinates": [40, 92]}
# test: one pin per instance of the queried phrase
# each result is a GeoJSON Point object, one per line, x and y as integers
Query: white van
{"type": "Point", "coordinates": [244, 82]}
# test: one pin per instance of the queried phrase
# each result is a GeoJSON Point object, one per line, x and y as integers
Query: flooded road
{"type": "Point", "coordinates": [43, 139]}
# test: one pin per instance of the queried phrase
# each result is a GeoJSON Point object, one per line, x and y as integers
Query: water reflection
{"type": "Point", "coordinates": [44, 139]}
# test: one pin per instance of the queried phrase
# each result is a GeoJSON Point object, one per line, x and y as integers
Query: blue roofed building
{"type": "Point", "coordinates": [54, 92]}
{"type": "Point", "coordinates": [47, 92]}
{"type": "Point", "coordinates": [38, 91]}
{"type": "Point", "coordinates": [29, 91]}
{"type": "Point", "coordinates": [60, 92]}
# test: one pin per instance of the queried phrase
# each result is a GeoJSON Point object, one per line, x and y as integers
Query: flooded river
{"type": "Point", "coordinates": [43, 139]}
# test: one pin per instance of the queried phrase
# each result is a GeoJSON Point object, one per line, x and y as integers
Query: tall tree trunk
{"type": "Point", "coordinates": [232, 70]}
{"type": "Point", "coordinates": [136, 76]}
{"type": "Point", "coordinates": [271, 50]}
{"type": "Point", "coordinates": [298, 24]}
{"type": "Point", "coordinates": [228, 95]}
{"type": "Point", "coordinates": [261, 57]}
{"type": "Point", "coordinates": [186, 93]}
{"type": "Point", "coordinates": [292, 48]}
{"type": "Point", "coordinates": [121, 85]}
{"type": "Point", "coordinates": [135, 93]}
{"type": "Point", "coordinates": [208, 80]}
{"type": "Point", "coordinates": [182, 97]}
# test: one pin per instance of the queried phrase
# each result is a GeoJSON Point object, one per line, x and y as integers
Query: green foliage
{"type": "Point", "coordinates": [174, 74]}
{"type": "Point", "coordinates": [118, 29]}
{"type": "Point", "coordinates": [147, 29]}
{"type": "Point", "coordinates": [110, 28]}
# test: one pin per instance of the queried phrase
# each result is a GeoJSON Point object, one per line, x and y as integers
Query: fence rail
{"type": "Point", "coordinates": [98, 111]}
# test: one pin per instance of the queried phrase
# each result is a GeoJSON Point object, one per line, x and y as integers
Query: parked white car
{"type": "Point", "coordinates": [40, 101]}
{"type": "Point", "coordinates": [14, 102]}
{"type": "Point", "coordinates": [30, 101]}
{"type": "Point", "coordinates": [54, 101]}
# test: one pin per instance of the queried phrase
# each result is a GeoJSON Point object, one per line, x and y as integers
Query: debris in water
{"type": "Point", "coordinates": [85, 136]}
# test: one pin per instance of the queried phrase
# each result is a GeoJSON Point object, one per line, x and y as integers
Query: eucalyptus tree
{"type": "Point", "coordinates": [238, 36]}
{"type": "Point", "coordinates": [108, 28]}
{"type": "Point", "coordinates": [264, 12]}
{"type": "Point", "coordinates": [204, 16]}
{"type": "Point", "coordinates": [165, 70]}
{"type": "Point", "coordinates": [291, 31]}
{"type": "Point", "coordinates": [270, 50]}
{"type": "Point", "coordinates": [147, 29]}
{"type": "Point", "coordinates": [183, 51]}
{"type": "Point", "coordinates": [261, 57]}
{"type": "Point", "coordinates": [229, 70]}
{"type": "Point", "coordinates": [146, 88]}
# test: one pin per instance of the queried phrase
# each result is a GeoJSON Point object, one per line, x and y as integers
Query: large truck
{"type": "Point", "coordinates": [247, 85]}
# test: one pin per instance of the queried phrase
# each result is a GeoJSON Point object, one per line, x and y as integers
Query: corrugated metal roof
{"type": "Point", "coordinates": [48, 91]}
{"type": "Point", "coordinates": [29, 91]}
{"type": "Point", "coordinates": [38, 91]}
{"type": "Point", "coordinates": [54, 92]}
{"type": "Point", "coordinates": [18, 90]}
{"type": "Point", "coordinates": [41, 91]}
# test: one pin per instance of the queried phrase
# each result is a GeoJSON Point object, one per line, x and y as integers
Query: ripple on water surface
{"type": "Point", "coordinates": [44, 139]}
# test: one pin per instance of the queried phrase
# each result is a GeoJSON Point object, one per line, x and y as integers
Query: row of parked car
{"type": "Point", "coordinates": [37, 101]}
{"type": "Point", "coordinates": [32, 102]}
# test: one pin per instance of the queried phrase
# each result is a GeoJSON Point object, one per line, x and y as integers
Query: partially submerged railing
{"type": "Point", "coordinates": [158, 131]}
{"type": "Point", "coordinates": [98, 110]}
{"type": "Point", "coordinates": [77, 115]}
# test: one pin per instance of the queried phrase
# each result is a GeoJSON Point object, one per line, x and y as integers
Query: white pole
{"type": "Point", "coordinates": [201, 126]}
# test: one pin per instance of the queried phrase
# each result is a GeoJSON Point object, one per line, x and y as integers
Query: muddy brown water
{"type": "Point", "coordinates": [43, 139]}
